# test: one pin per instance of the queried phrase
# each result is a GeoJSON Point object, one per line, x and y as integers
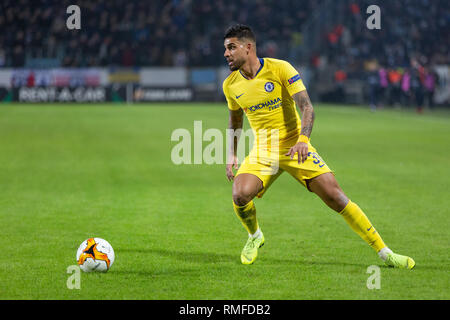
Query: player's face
{"type": "Point", "coordinates": [236, 53]}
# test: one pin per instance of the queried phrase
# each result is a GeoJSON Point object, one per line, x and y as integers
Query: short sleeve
{"type": "Point", "coordinates": [290, 78]}
{"type": "Point", "coordinates": [232, 105]}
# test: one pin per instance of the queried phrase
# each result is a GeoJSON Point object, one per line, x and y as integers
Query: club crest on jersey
{"type": "Point", "coordinates": [269, 86]}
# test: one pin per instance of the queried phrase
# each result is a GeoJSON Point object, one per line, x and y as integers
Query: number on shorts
{"type": "Point", "coordinates": [317, 159]}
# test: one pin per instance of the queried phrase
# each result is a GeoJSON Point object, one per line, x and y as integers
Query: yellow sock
{"type": "Point", "coordinates": [359, 222]}
{"type": "Point", "coordinates": [247, 215]}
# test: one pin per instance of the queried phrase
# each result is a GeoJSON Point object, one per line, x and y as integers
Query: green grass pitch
{"type": "Point", "coordinates": [69, 172]}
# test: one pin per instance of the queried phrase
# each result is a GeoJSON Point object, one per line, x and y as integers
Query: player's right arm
{"type": "Point", "coordinates": [235, 122]}
{"type": "Point", "coordinates": [235, 127]}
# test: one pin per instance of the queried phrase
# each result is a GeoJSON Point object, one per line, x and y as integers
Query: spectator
{"type": "Point", "coordinates": [418, 90]}
{"type": "Point", "coordinates": [384, 84]}
{"type": "Point", "coordinates": [374, 89]}
{"type": "Point", "coordinates": [405, 85]}
{"type": "Point", "coordinates": [430, 85]}
{"type": "Point", "coordinates": [339, 77]}
{"type": "Point", "coordinates": [394, 76]}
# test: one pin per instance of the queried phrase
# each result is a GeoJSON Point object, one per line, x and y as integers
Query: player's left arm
{"type": "Point", "coordinates": [301, 147]}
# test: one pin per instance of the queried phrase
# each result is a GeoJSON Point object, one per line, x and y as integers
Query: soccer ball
{"type": "Point", "coordinates": [95, 254]}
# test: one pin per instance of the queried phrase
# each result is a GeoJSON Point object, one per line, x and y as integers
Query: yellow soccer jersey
{"type": "Point", "coordinates": [267, 98]}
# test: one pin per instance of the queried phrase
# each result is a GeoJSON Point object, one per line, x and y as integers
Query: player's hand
{"type": "Point", "coordinates": [232, 163]}
{"type": "Point", "coordinates": [302, 149]}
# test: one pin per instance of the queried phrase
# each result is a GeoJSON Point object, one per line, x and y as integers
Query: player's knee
{"type": "Point", "coordinates": [241, 199]}
{"type": "Point", "coordinates": [333, 197]}
{"type": "Point", "coordinates": [337, 200]}
{"type": "Point", "coordinates": [242, 196]}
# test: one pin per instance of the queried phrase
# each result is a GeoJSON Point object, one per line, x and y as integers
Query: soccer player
{"type": "Point", "coordinates": [267, 91]}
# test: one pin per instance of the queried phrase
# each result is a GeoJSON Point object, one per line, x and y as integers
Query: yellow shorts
{"type": "Point", "coordinates": [268, 166]}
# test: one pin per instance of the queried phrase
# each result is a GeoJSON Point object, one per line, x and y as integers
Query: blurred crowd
{"type": "Point", "coordinates": [189, 32]}
{"type": "Point", "coordinates": [142, 33]}
{"type": "Point", "coordinates": [397, 61]}
{"type": "Point", "coordinates": [409, 29]}
{"type": "Point", "coordinates": [412, 86]}
{"type": "Point", "coordinates": [414, 37]}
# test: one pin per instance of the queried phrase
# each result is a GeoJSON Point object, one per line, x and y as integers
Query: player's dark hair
{"type": "Point", "coordinates": [240, 31]}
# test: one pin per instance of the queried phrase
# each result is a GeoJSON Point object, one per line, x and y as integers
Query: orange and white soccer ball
{"type": "Point", "coordinates": [95, 254]}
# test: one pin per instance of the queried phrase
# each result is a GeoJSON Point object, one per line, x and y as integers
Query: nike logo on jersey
{"type": "Point", "coordinates": [237, 97]}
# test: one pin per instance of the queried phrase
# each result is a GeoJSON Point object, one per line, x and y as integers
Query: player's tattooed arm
{"type": "Point", "coordinates": [304, 103]}
{"type": "Point", "coordinates": [235, 123]}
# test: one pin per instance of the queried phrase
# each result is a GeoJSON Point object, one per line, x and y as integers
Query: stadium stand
{"type": "Point", "coordinates": [327, 36]}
